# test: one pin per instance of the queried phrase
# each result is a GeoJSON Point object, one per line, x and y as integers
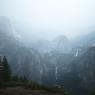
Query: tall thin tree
{"type": "Point", "coordinates": [6, 70]}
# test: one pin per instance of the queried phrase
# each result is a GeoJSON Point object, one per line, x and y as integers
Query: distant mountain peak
{"type": "Point", "coordinates": [5, 24]}
{"type": "Point", "coordinates": [7, 28]}
{"type": "Point", "coordinates": [61, 38]}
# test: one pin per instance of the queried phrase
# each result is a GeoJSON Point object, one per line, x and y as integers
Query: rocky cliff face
{"type": "Point", "coordinates": [85, 68]}
{"type": "Point", "coordinates": [20, 57]}
{"type": "Point", "coordinates": [55, 62]}
{"type": "Point", "coordinates": [44, 68]}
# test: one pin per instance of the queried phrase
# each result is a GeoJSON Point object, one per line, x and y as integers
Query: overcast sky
{"type": "Point", "coordinates": [49, 18]}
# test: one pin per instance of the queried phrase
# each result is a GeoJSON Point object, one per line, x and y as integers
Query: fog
{"type": "Point", "coordinates": [46, 19]}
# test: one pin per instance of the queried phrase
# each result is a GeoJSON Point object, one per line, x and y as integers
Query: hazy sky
{"type": "Point", "coordinates": [49, 18]}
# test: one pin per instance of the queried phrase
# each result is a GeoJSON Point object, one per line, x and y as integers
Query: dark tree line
{"type": "Point", "coordinates": [5, 72]}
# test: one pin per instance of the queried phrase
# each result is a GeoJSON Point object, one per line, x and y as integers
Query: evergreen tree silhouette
{"type": "Point", "coordinates": [1, 71]}
{"type": "Point", "coordinates": [6, 70]}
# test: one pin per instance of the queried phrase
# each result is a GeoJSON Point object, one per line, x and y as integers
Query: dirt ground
{"type": "Point", "coordinates": [24, 91]}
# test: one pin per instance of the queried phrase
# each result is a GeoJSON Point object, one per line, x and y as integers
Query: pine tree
{"type": "Point", "coordinates": [6, 70]}
{"type": "Point", "coordinates": [1, 71]}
